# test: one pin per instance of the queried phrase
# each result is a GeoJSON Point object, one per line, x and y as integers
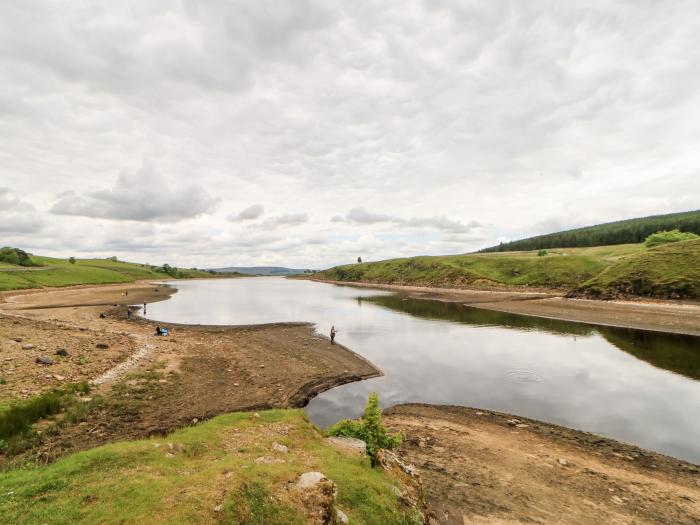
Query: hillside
{"type": "Point", "coordinates": [619, 232]}
{"type": "Point", "coordinates": [262, 270]}
{"type": "Point", "coordinates": [668, 271]}
{"type": "Point", "coordinates": [565, 268]}
{"type": "Point", "coordinates": [49, 271]}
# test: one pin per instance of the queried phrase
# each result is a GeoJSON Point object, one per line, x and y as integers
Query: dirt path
{"type": "Point", "coordinates": [663, 316]}
{"type": "Point", "coordinates": [482, 467]}
{"type": "Point", "coordinates": [151, 384]}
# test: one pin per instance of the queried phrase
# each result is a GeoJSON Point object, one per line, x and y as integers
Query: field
{"type": "Point", "coordinates": [60, 272]}
{"type": "Point", "coordinates": [626, 269]}
{"type": "Point", "coordinates": [223, 471]}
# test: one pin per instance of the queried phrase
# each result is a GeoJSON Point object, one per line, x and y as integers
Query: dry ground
{"type": "Point", "coordinates": [482, 467]}
{"type": "Point", "coordinates": [151, 384]}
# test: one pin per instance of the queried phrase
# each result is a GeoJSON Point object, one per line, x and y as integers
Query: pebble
{"type": "Point", "coordinates": [27, 346]}
{"type": "Point", "coordinates": [563, 462]}
{"type": "Point", "coordinates": [617, 500]}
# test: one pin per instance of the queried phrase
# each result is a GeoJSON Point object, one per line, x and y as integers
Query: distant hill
{"type": "Point", "coordinates": [629, 231]}
{"type": "Point", "coordinates": [262, 270]}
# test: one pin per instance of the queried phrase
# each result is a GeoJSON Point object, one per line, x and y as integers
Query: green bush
{"type": "Point", "coordinates": [663, 237]}
{"type": "Point", "coordinates": [15, 256]}
{"type": "Point", "coordinates": [542, 253]}
{"type": "Point", "coordinates": [19, 418]}
{"type": "Point", "coordinates": [369, 429]}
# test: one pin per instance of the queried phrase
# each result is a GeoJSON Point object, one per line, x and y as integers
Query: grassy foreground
{"type": "Point", "coordinates": [220, 471]}
{"type": "Point", "coordinates": [61, 272]}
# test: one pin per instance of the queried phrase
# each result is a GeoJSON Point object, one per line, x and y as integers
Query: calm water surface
{"type": "Point", "coordinates": [635, 386]}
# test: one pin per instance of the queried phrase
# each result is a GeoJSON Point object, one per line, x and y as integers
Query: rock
{"type": "Point", "coordinates": [522, 425]}
{"type": "Point", "coordinates": [62, 352]}
{"type": "Point", "coordinates": [43, 361]}
{"type": "Point", "coordinates": [617, 500]}
{"type": "Point", "coordinates": [27, 346]}
{"type": "Point", "coordinates": [317, 494]}
{"type": "Point", "coordinates": [348, 443]}
{"type": "Point", "coordinates": [513, 422]}
{"type": "Point", "coordinates": [277, 447]}
{"type": "Point", "coordinates": [563, 462]}
{"type": "Point", "coordinates": [102, 346]}
{"type": "Point", "coordinates": [341, 517]}
{"type": "Point", "coordinates": [58, 377]}
{"type": "Point", "coordinates": [17, 339]}
{"type": "Point", "coordinates": [256, 415]}
{"type": "Point", "coordinates": [217, 508]}
{"type": "Point", "coordinates": [268, 460]}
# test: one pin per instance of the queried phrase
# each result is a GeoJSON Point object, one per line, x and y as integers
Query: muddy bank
{"type": "Point", "coordinates": [151, 385]}
{"type": "Point", "coordinates": [480, 466]}
{"type": "Point", "coordinates": [680, 317]}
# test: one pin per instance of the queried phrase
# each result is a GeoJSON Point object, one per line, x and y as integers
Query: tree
{"type": "Point", "coordinates": [359, 260]}
{"type": "Point", "coordinates": [71, 260]}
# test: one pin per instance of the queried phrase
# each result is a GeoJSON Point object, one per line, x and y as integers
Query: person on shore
{"type": "Point", "coordinates": [128, 313]}
{"type": "Point", "coordinates": [333, 332]}
{"type": "Point", "coordinates": [159, 331]}
{"type": "Point", "coordinates": [144, 308]}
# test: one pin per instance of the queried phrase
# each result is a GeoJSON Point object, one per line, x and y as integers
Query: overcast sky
{"type": "Point", "coordinates": [307, 133]}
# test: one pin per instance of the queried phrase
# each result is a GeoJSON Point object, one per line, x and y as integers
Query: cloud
{"type": "Point", "coordinates": [248, 214]}
{"type": "Point", "coordinates": [362, 216]}
{"type": "Point", "coordinates": [288, 219]}
{"type": "Point", "coordinates": [17, 217]}
{"type": "Point", "coordinates": [140, 195]}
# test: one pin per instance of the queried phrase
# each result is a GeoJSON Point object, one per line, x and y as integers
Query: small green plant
{"type": "Point", "coordinates": [369, 429]}
{"type": "Point", "coordinates": [663, 237]}
{"type": "Point", "coordinates": [2, 381]}
{"type": "Point", "coordinates": [542, 253]}
{"type": "Point", "coordinates": [71, 260]}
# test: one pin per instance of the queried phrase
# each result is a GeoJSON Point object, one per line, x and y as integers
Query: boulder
{"type": "Point", "coordinates": [277, 447]}
{"type": "Point", "coordinates": [62, 352]}
{"type": "Point", "coordinates": [348, 443]}
{"type": "Point", "coordinates": [43, 361]}
{"type": "Point", "coordinates": [341, 517]}
{"type": "Point", "coordinates": [317, 494]}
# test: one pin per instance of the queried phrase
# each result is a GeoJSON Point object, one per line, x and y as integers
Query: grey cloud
{"type": "Point", "coordinates": [140, 195]}
{"type": "Point", "coordinates": [16, 216]}
{"type": "Point", "coordinates": [362, 216]}
{"type": "Point", "coordinates": [288, 219]}
{"type": "Point", "coordinates": [248, 214]}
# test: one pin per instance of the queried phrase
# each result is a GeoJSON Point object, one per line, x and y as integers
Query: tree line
{"type": "Point", "coordinates": [619, 232]}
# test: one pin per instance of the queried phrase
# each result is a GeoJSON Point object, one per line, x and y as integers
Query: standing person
{"type": "Point", "coordinates": [128, 313]}
{"type": "Point", "coordinates": [333, 332]}
{"type": "Point", "coordinates": [144, 308]}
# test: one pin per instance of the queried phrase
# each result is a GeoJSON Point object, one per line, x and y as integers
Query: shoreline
{"type": "Point", "coordinates": [645, 314]}
{"type": "Point", "coordinates": [153, 385]}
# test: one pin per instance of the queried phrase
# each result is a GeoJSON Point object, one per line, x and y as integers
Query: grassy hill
{"type": "Point", "coordinates": [619, 232]}
{"type": "Point", "coordinates": [220, 471]}
{"type": "Point", "coordinates": [49, 271]}
{"type": "Point", "coordinates": [667, 271]}
{"type": "Point", "coordinates": [563, 268]}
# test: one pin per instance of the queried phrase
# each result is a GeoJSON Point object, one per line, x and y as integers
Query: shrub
{"type": "Point", "coordinates": [368, 428]}
{"type": "Point", "coordinates": [542, 253]}
{"type": "Point", "coordinates": [71, 260]}
{"type": "Point", "coordinates": [15, 256]}
{"type": "Point", "coordinates": [663, 237]}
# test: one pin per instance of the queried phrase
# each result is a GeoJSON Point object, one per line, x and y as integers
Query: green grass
{"type": "Point", "coordinates": [666, 271]}
{"type": "Point", "coordinates": [560, 268]}
{"type": "Point", "coordinates": [60, 272]}
{"type": "Point", "coordinates": [179, 479]}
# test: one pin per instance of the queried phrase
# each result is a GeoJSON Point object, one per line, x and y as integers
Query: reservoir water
{"type": "Point", "coordinates": [635, 386]}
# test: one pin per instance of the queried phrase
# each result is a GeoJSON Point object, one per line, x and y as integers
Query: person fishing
{"type": "Point", "coordinates": [333, 332]}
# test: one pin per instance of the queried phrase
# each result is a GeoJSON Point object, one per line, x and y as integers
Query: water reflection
{"type": "Point", "coordinates": [674, 352]}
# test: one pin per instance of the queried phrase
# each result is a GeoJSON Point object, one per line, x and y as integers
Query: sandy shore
{"type": "Point", "coordinates": [151, 384]}
{"type": "Point", "coordinates": [656, 315]}
{"type": "Point", "coordinates": [482, 467]}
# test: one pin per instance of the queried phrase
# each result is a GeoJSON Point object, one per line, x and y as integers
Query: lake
{"type": "Point", "coordinates": [635, 386]}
